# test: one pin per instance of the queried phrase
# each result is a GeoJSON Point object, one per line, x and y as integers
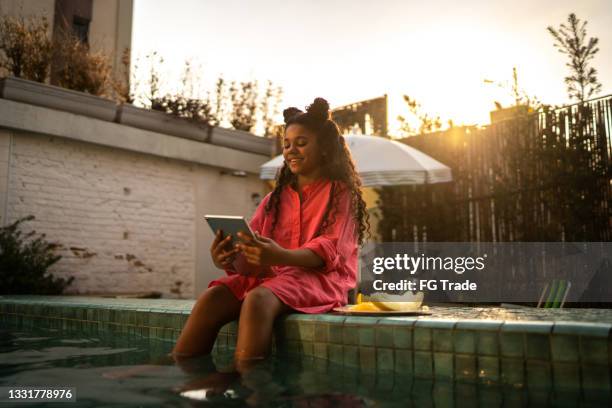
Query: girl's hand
{"type": "Point", "coordinates": [261, 251]}
{"type": "Point", "coordinates": [222, 256]}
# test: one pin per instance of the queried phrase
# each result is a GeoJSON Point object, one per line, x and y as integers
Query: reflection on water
{"type": "Point", "coordinates": [121, 369]}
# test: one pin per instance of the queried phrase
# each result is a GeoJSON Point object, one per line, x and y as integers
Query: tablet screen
{"type": "Point", "coordinates": [229, 224]}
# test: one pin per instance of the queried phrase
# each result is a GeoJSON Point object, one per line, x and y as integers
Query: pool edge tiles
{"type": "Point", "coordinates": [556, 352]}
{"type": "Point", "coordinates": [162, 320]}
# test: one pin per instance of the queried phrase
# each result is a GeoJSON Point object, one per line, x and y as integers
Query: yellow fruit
{"type": "Point", "coordinates": [364, 307]}
{"type": "Point", "coordinates": [399, 306]}
{"type": "Point", "coordinates": [382, 306]}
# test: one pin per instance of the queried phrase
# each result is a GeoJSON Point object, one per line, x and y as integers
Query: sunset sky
{"type": "Point", "coordinates": [438, 52]}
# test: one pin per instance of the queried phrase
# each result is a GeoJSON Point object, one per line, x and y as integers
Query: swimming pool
{"type": "Point", "coordinates": [101, 368]}
{"type": "Point", "coordinates": [479, 356]}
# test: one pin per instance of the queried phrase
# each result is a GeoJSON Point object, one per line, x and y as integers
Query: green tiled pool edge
{"type": "Point", "coordinates": [555, 353]}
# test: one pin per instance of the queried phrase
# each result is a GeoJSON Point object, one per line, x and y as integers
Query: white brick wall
{"type": "Point", "coordinates": [5, 149]}
{"type": "Point", "coordinates": [126, 204]}
{"type": "Point", "coordinates": [126, 221]}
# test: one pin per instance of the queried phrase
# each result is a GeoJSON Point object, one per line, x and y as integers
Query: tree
{"type": "Point", "coordinates": [570, 39]}
{"type": "Point", "coordinates": [427, 124]}
{"type": "Point", "coordinates": [243, 98]}
{"type": "Point", "coordinates": [148, 90]}
{"type": "Point", "coordinates": [520, 96]}
{"type": "Point", "coordinates": [269, 105]}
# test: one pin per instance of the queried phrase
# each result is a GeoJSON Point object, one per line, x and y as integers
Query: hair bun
{"type": "Point", "coordinates": [291, 112]}
{"type": "Point", "coordinates": [319, 110]}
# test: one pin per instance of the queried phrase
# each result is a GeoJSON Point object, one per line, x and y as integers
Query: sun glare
{"type": "Point", "coordinates": [442, 62]}
{"type": "Point", "coordinates": [445, 72]}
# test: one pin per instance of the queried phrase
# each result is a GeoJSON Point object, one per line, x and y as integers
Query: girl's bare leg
{"type": "Point", "coordinates": [259, 310]}
{"type": "Point", "coordinates": [214, 308]}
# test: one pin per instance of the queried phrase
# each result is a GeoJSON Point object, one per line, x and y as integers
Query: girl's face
{"type": "Point", "coordinates": [301, 151]}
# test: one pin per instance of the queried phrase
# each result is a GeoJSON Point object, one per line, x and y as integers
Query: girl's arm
{"type": "Point", "coordinates": [265, 251]}
{"type": "Point", "coordinates": [324, 251]}
{"type": "Point", "coordinates": [301, 257]}
{"type": "Point", "coordinates": [339, 241]}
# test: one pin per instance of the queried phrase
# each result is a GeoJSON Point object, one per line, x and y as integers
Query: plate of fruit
{"type": "Point", "coordinates": [377, 304]}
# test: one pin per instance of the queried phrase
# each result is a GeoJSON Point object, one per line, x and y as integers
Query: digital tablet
{"type": "Point", "coordinates": [229, 224]}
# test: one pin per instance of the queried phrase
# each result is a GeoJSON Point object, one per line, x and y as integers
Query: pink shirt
{"type": "Point", "coordinates": [309, 290]}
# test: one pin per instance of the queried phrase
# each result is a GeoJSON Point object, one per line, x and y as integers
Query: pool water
{"type": "Point", "coordinates": [122, 370]}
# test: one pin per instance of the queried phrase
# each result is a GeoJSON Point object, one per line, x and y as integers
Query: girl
{"type": "Point", "coordinates": [304, 253]}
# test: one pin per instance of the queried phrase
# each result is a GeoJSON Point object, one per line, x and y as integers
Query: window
{"type": "Point", "coordinates": [80, 28]}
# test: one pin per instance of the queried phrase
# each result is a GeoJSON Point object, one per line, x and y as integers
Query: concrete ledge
{"type": "Point", "coordinates": [421, 347]}
{"type": "Point", "coordinates": [49, 122]}
{"type": "Point", "coordinates": [53, 97]}
{"type": "Point", "coordinates": [240, 140]}
{"type": "Point", "coordinates": [48, 96]}
{"type": "Point", "coordinates": [161, 122]}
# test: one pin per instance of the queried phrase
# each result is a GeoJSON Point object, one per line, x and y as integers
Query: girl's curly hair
{"type": "Point", "coordinates": [337, 166]}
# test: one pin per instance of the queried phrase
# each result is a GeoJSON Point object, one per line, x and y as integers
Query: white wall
{"type": "Point", "coordinates": [126, 204]}
{"type": "Point", "coordinates": [127, 222]}
{"type": "Point", "coordinates": [5, 142]}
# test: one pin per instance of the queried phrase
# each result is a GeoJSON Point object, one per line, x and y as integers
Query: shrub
{"type": "Point", "coordinates": [27, 51]}
{"type": "Point", "coordinates": [26, 47]}
{"type": "Point", "coordinates": [194, 110]}
{"type": "Point", "coordinates": [24, 260]}
{"type": "Point", "coordinates": [121, 83]}
{"type": "Point", "coordinates": [76, 67]}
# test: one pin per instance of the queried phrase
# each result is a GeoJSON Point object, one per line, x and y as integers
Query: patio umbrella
{"type": "Point", "coordinates": [383, 162]}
